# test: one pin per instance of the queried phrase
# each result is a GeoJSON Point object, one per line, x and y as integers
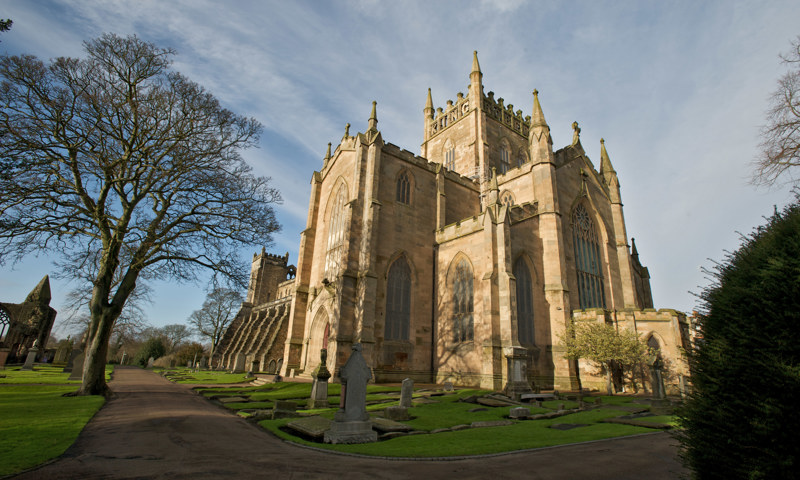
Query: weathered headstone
{"type": "Point", "coordinates": [75, 353]}
{"type": "Point", "coordinates": [32, 353]}
{"type": "Point", "coordinates": [77, 366]}
{"type": "Point", "coordinates": [406, 393]}
{"type": "Point", "coordinates": [284, 409]}
{"type": "Point", "coordinates": [657, 379]}
{"type": "Point", "coordinates": [448, 386]}
{"type": "Point", "coordinates": [351, 423]}
{"type": "Point", "coordinates": [203, 362]}
{"type": "Point", "coordinates": [396, 413]}
{"type": "Point", "coordinates": [519, 412]}
{"type": "Point", "coordinates": [150, 362]}
{"type": "Point", "coordinates": [319, 389]}
{"type": "Point", "coordinates": [62, 352]}
{"type": "Point", "coordinates": [517, 363]}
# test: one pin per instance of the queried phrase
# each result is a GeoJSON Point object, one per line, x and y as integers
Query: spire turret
{"type": "Point", "coordinates": [327, 155]}
{"type": "Point", "coordinates": [476, 67]}
{"type": "Point", "coordinates": [634, 252]}
{"type": "Point", "coordinates": [494, 190]}
{"type": "Point", "coordinates": [537, 116]}
{"type": "Point", "coordinates": [373, 117]}
{"type": "Point", "coordinates": [429, 105]}
{"type": "Point", "coordinates": [541, 144]}
{"type": "Point", "coordinates": [605, 162]}
{"type": "Point", "coordinates": [608, 174]}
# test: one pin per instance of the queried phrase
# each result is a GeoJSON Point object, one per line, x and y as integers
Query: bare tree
{"type": "Point", "coordinates": [118, 160]}
{"type": "Point", "coordinates": [217, 313]}
{"type": "Point", "coordinates": [780, 144]}
{"type": "Point", "coordinates": [174, 335]}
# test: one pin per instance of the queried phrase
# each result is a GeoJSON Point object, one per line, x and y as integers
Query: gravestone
{"type": "Point", "coordinates": [351, 422]}
{"type": "Point", "coordinates": [62, 352]}
{"type": "Point", "coordinates": [657, 379]}
{"type": "Point", "coordinates": [519, 412]}
{"type": "Point", "coordinates": [406, 393]}
{"type": "Point", "coordinates": [448, 386]}
{"type": "Point", "coordinates": [203, 362]}
{"type": "Point", "coordinates": [32, 353]}
{"type": "Point", "coordinates": [319, 389]}
{"type": "Point", "coordinates": [517, 363]}
{"type": "Point", "coordinates": [150, 362]}
{"type": "Point", "coordinates": [77, 367]}
{"type": "Point", "coordinates": [124, 359]}
{"type": "Point", "coordinates": [75, 353]}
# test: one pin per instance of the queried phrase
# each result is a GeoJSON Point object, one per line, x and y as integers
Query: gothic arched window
{"type": "Point", "coordinates": [462, 302]}
{"type": "Point", "coordinates": [507, 198]}
{"type": "Point", "coordinates": [524, 302]}
{"type": "Point", "coordinates": [336, 229]}
{"type": "Point", "coordinates": [505, 158]}
{"type": "Point", "coordinates": [522, 158]}
{"type": "Point", "coordinates": [398, 301]}
{"type": "Point", "coordinates": [403, 194]}
{"type": "Point", "coordinates": [587, 260]}
{"type": "Point", "coordinates": [450, 156]}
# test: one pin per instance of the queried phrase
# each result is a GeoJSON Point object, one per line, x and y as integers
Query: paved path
{"type": "Point", "coordinates": [152, 428]}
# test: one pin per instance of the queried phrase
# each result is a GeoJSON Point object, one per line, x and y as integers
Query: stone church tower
{"type": "Point", "coordinates": [467, 263]}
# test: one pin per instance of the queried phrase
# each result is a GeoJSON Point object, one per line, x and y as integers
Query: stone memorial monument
{"type": "Point", "coordinates": [656, 378]}
{"type": "Point", "coordinates": [406, 392]}
{"type": "Point", "coordinates": [351, 423]}
{"type": "Point", "coordinates": [319, 389]}
{"type": "Point", "coordinates": [32, 354]}
{"type": "Point", "coordinates": [517, 385]}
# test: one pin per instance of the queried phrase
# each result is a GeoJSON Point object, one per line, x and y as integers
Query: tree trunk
{"type": "Point", "coordinates": [94, 364]}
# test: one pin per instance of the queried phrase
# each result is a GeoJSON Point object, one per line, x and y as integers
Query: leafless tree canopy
{"type": "Point", "coordinates": [217, 313]}
{"type": "Point", "coordinates": [780, 145]}
{"type": "Point", "coordinates": [117, 161]}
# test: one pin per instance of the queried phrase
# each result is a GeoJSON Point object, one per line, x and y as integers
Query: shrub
{"type": "Point", "coordinates": [740, 420]}
{"type": "Point", "coordinates": [153, 347]}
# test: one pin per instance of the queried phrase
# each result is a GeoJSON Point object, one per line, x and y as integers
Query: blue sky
{"type": "Point", "coordinates": [678, 90]}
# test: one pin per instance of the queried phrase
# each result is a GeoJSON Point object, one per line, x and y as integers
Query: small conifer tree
{"type": "Point", "coordinates": [741, 420]}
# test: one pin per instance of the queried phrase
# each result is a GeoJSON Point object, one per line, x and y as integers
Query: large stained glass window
{"type": "Point", "coordinates": [591, 293]}
{"type": "Point", "coordinates": [524, 302]}
{"type": "Point", "coordinates": [462, 302]}
{"type": "Point", "coordinates": [336, 232]}
{"type": "Point", "coordinates": [398, 301]}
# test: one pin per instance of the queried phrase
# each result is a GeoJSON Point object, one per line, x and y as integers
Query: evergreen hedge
{"type": "Point", "coordinates": [742, 419]}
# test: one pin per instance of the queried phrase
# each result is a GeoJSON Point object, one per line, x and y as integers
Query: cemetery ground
{"type": "Point", "coordinates": [443, 424]}
{"type": "Point", "coordinates": [38, 421]}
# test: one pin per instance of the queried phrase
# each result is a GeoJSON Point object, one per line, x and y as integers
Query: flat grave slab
{"type": "Point", "coordinates": [313, 427]}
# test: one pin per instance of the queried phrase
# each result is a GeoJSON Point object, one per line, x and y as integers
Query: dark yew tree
{"type": "Point", "coordinates": [741, 420]}
{"type": "Point", "coordinates": [127, 169]}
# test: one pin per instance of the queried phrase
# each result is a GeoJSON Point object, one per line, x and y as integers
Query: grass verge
{"type": "Point", "coordinates": [38, 423]}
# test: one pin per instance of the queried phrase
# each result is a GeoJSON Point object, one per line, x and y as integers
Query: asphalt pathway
{"type": "Point", "coordinates": [152, 428]}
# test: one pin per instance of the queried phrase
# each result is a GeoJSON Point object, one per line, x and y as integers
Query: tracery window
{"type": "Point", "coordinates": [505, 161]}
{"type": "Point", "coordinates": [398, 301]}
{"type": "Point", "coordinates": [507, 199]}
{"type": "Point", "coordinates": [587, 260]}
{"type": "Point", "coordinates": [462, 302]}
{"type": "Point", "coordinates": [525, 330]}
{"type": "Point", "coordinates": [450, 156]}
{"type": "Point", "coordinates": [522, 158]}
{"type": "Point", "coordinates": [336, 230]}
{"type": "Point", "coordinates": [403, 194]}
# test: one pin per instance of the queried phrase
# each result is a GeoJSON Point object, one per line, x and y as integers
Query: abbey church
{"type": "Point", "coordinates": [463, 264]}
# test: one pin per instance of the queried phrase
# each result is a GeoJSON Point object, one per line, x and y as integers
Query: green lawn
{"type": "Point", "coordinates": [521, 435]}
{"type": "Point", "coordinates": [441, 412]}
{"type": "Point", "coordinates": [42, 374]}
{"type": "Point", "coordinates": [38, 423]}
{"type": "Point", "coordinates": [203, 377]}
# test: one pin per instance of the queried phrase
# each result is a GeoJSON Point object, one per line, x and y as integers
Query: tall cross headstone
{"type": "Point", "coordinates": [351, 423]}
